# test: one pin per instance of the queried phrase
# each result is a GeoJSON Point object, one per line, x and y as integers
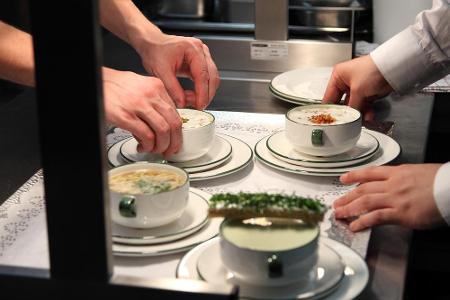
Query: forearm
{"type": "Point", "coordinates": [16, 55]}
{"type": "Point", "coordinates": [125, 20]}
{"type": "Point", "coordinates": [420, 54]}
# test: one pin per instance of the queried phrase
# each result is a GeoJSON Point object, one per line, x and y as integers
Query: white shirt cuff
{"type": "Point", "coordinates": [441, 191]}
{"type": "Point", "coordinates": [403, 63]}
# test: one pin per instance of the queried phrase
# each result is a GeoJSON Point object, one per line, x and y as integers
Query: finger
{"type": "Point", "coordinates": [214, 78]}
{"type": "Point", "coordinates": [190, 98]}
{"type": "Point", "coordinates": [173, 87]}
{"type": "Point", "coordinates": [356, 100]}
{"type": "Point", "coordinates": [199, 73]}
{"type": "Point", "coordinates": [366, 174]}
{"type": "Point", "coordinates": [375, 218]}
{"type": "Point", "coordinates": [363, 189]}
{"type": "Point", "coordinates": [362, 205]}
{"type": "Point", "coordinates": [159, 126]}
{"type": "Point", "coordinates": [142, 133]}
{"type": "Point", "coordinates": [173, 119]}
{"type": "Point", "coordinates": [368, 112]}
{"type": "Point", "coordinates": [335, 89]}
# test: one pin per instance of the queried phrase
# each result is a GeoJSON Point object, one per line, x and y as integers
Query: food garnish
{"type": "Point", "coordinates": [322, 119]}
{"type": "Point", "coordinates": [253, 205]}
{"type": "Point", "coordinates": [185, 120]}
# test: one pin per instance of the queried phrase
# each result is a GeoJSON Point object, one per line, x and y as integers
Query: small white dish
{"type": "Point", "coordinates": [208, 231]}
{"type": "Point", "coordinates": [305, 84]}
{"type": "Point", "coordinates": [297, 101]}
{"type": "Point", "coordinates": [323, 279]}
{"type": "Point", "coordinates": [220, 151]}
{"type": "Point", "coordinates": [356, 273]}
{"type": "Point", "coordinates": [308, 131]}
{"type": "Point", "coordinates": [281, 148]}
{"type": "Point", "coordinates": [193, 219]}
{"type": "Point", "coordinates": [389, 149]}
{"type": "Point", "coordinates": [241, 157]}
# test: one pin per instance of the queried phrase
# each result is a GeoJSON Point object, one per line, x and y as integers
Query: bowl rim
{"type": "Point", "coordinates": [323, 105]}
{"type": "Point", "coordinates": [197, 110]}
{"type": "Point", "coordinates": [152, 164]}
{"type": "Point", "coordinates": [313, 241]}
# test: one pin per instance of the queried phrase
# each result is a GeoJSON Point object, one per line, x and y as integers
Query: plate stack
{"type": "Point", "coordinates": [372, 149]}
{"type": "Point", "coordinates": [226, 156]}
{"type": "Point", "coordinates": [191, 229]}
{"type": "Point", "coordinates": [301, 86]}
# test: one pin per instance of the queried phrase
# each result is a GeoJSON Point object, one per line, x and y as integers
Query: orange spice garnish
{"type": "Point", "coordinates": [322, 119]}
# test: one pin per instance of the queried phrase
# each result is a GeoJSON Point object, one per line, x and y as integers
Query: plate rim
{"type": "Point", "coordinates": [193, 229]}
{"type": "Point", "coordinates": [329, 242]}
{"type": "Point", "coordinates": [223, 159]}
{"type": "Point", "coordinates": [325, 162]}
{"type": "Point", "coordinates": [317, 173]}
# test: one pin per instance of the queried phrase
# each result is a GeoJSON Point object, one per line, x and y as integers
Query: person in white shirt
{"type": "Point", "coordinates": [144, 105]}
{"type": "Point", "coordinates": [412, 195]}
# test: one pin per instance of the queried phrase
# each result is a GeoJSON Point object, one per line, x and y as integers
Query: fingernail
{"type": "Point", "coordinates": [338, 212]}
{"type": "Point", "coordinates": [354, 226]}
{"type": "Point", "coordinates": [343, 177]}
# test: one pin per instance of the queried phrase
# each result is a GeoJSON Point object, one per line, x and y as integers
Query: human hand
{"type": "Point", "coordinates": [141, 105]}
{"type": "Point", "coordinates": [362, 83]}
{"type": "Point", "coordinates": [400, 195]}
{"type": "Point", "coordinates": [167, 56]}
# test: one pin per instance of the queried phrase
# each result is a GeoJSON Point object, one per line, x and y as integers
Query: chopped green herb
{"type": "Point", "coordinates": [185, 120]}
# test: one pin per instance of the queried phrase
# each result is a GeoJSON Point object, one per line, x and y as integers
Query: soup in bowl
{"type": "Point", "coordinates": [268, 251]}
{"type": "Point", "coordinates": [198, 134]}
{"type": "Point", "coordinates": [146, 195]}
{"type": "Point", "coordinates": [323, 129]}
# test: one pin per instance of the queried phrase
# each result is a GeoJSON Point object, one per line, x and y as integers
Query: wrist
{"type": "Point", "coordinates": [143, 38]}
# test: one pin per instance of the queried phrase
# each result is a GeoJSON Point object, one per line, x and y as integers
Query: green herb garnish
{"type": "Point", "coordinates": [185, 120]}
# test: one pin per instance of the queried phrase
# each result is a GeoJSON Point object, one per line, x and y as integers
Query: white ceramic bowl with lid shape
{"type": "Point", "coordinates": [198, 134]}
{"type": "Point", "coordinates": [326, 139]}
{"type": "Point", "coordinates": [268, 251]}
{"type": "Point", "coordinates": [141, 210]}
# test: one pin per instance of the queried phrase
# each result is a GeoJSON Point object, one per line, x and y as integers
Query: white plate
{"type": "Point", "coordinates": [389, 149]}
{"type": "Point", "coordinates": [210, 230]}
{"type": "Point", "coordinates": [220, 151]}
{"type": "Point", "coordinates": [241, 157]}
{"type": "Point", "coordinates": [297, 101]}
{"type": "Point", "coordinates": [306, 84]}
{"type": "Point", "coordinates": [355, 279]}
{"type": "Point", "coordinates": [322, 280]}
{"type": "Point", "coordinates": [193, 219]}
{"type": "Point", "coordinates": [281, 148]}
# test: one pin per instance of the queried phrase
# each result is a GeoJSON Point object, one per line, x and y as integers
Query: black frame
{"type": "Point", "coordinates": [66, 38]}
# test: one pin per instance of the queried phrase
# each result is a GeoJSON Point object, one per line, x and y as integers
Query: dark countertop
{"type": "Point", "coordinates": [388, 249]}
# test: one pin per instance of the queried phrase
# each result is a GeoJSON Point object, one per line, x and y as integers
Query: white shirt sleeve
{"type": "Point", "coordinates": [420, 54]}
{"type": "Point", "coordinates": [441, 191]}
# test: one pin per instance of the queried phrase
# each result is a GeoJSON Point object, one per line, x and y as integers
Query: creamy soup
{"type": "Point", "coordinates": [146, 181]}
{"type": "Point", "coordinates": [268, 236]}
{"type": "Point", "coordinates": [323, 116]}
{"type": "Point", "coordinates": [194, 118]}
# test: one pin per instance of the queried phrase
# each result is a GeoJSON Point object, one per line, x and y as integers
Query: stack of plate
{"type": "Point", "coordinates": [301, 86]}
{"type": "Point", "coordinates": [340, 273]}
{"type": "Point", "coordinates": [372, 149]}
{"type": "Point", "coordinates": [227, 155]}
{"type": "Point", "coordinates": [191, 229]}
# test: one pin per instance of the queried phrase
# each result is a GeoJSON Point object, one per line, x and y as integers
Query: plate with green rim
{"type": "Point", "coordinates": [207, 232]}
{"type": "Point", "coordinates": [389, 150]}
{"type": "Point", "coordinates": [193, 219]}
{"type": "Point", "coordinates": [281, 148]}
